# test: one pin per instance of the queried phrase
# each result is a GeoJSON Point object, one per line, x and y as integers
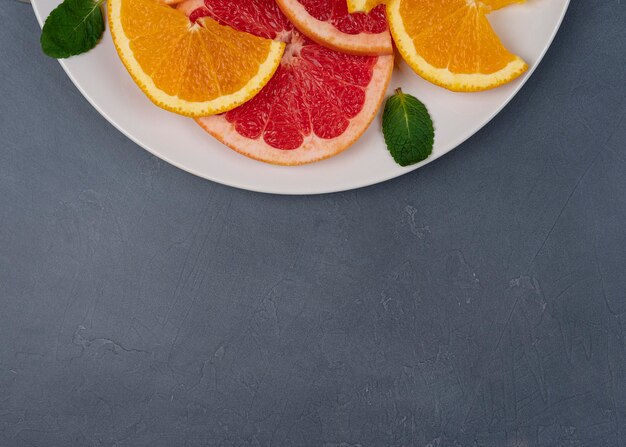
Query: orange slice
{"type": "Point", "coordinates": [367, 5]}
{"type": "Point", "coordinates": [363, 5]}
{"type": "Point", "coordinates": [451, 43]}
{"type": "Point", "coordinates": [497, 4]}
{"type": "Point", "coordinates": [193, 69]}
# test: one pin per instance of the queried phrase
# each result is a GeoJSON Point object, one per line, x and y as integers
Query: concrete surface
{"type": "Point", "coordinates": [477, 302]}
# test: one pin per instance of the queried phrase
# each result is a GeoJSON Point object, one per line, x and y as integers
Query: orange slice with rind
{"type": "Point", "coordinates": [193, 69]}
{"type": "Point", "coordinates": [450, 42]}
{"type": "Point", "coordinates": [493, 5]}
{"type": "Point", "coordinates": [355, 6]}
{"type": "Point", "coordinates": [365, 6]}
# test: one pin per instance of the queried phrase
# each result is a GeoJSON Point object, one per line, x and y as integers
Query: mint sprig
{"type": "Point", "coordinates": [73, 27]}
{"type": "Point", "coordinates": [408, 129]}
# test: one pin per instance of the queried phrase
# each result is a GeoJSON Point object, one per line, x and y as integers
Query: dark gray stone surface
{"type": "Point", "coordinates": [477, 302]}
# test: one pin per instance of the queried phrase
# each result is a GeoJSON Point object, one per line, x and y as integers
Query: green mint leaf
{"type": "Point", "coordinates": [408, 129]}
{"type": "Point", "coordinates": [74, 27]}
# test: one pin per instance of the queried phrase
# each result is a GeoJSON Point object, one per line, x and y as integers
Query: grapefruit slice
{"type": "Point", "coordinates": [317, 104]}
{"type": "Point", "coordinates": [329, 23]}
{"type": "Point", "coordinates": [191, 69]}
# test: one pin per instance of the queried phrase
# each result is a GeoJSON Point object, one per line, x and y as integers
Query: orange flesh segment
{"type": "Point", "coordinates": [420, 15]}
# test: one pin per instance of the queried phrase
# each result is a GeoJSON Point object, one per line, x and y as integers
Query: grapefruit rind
{"type": "Point", "coordinates": [179, 105]}
{"type": "Point", "coordinates": [325, 34]}
{"type": "Point", "coordinates": [314, 148]}
{"type": "Point", "coordinates": [457, 82]}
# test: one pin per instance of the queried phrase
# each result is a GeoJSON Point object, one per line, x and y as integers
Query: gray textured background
{"type": "Point", "coordinates": [477, 302]}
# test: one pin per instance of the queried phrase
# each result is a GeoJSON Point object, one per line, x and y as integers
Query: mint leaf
{"type": "Point", "coordinates": [74, 27]}
{"type": "Point", "coordinates": [408, 129]}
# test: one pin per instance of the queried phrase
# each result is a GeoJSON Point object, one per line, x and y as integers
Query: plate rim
{"type": "Point", "coordinates": [363, 184]}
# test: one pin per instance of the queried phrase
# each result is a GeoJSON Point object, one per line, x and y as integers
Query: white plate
{"type": "Point", "coordinates": [527, 30]}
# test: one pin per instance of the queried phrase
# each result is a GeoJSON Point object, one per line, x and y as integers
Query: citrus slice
{"type": "Point", "coordinates": [367, 5]}
{"type": "Point", "coordinates": [363, 5]}
{"type": "Point", "coordinates": [451, 43]}
{"type": "Point", "coordinates": [317, 104]}
{"type": "Point", "coordinates": [192, 69]}
{"type": "Point", "coordinates": [492, 5]}
{"type": "Point", "coordinates": [329, 23]}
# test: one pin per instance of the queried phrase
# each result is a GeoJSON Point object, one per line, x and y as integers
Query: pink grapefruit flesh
{"type": "Point", "coordinates": [318, 103]}
{"type": "Point", "coordinates": [329, 23]}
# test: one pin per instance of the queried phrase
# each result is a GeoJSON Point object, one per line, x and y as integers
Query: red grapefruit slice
{"type": "Point", "coordinates": [317, 104]}
{"type": "Point", "coordinates": [329, 23]}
